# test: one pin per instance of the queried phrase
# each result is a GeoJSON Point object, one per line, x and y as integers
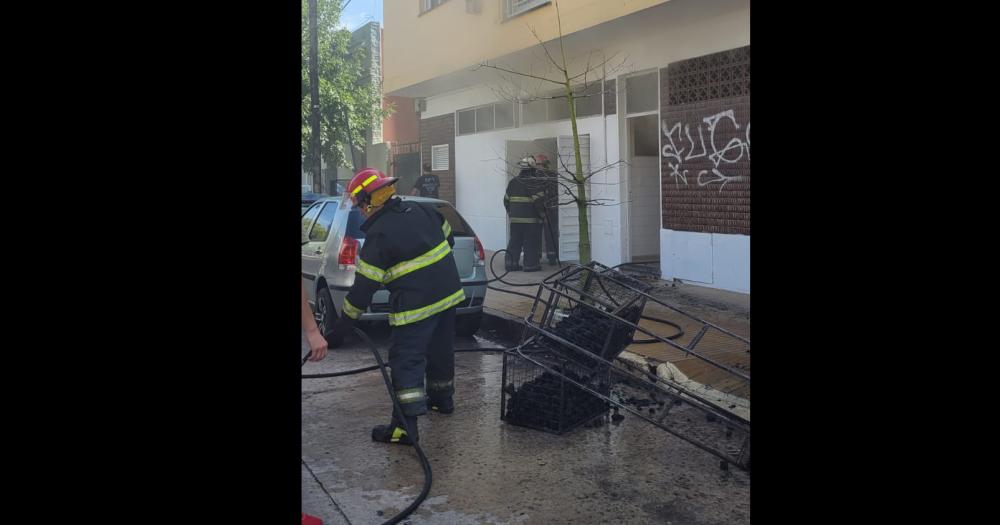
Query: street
{"type": "Point", "coordinates": [487, 471]}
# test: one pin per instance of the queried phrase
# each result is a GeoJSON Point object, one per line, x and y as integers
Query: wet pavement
{"type": "Point", "coordinates": [487, 471]}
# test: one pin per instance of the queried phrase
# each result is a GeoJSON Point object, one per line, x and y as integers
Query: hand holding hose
{"type": "Point", "coordinates": [317, 345]}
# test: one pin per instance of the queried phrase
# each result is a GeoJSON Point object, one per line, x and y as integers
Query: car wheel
{"type": "Point", "coordinates": [326, 317]}
{"type": "Point", "coordinates": [468, 325]}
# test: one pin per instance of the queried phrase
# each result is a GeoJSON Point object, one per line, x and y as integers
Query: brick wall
{"type": "Point", "coordinates": [433, 132]}
{"type": "Point", "coordinates": [705, 156]}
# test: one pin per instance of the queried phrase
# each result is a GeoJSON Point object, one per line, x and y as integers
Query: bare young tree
{"type": "Point", "coordinates": [522, 87]}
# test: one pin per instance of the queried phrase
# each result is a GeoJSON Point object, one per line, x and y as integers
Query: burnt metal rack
{"type": "Point", "coordinates": [565, 371]}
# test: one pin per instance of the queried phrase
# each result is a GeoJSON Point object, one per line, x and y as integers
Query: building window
{"type": "Point", "coordinates": [513, 8]}
{"type": "Point", "coordinates": [466, 121]}
{"type": "Point", "coordinates": [484, 118]}
{"type": "Point", "coordinates": [588, 99]}
{"type": "Point", "coordinates": [499, 115]}
{"type": "Point", "coordinates": [504, 115]}
{"type": "Point", "coordinates": [427, 5]}
{"type": "Point", "coordinates": [534, 112]}
{"type": "Point", "coordinates": [642, 93]}
{"type": "Point", "coordinates": [439, 158]}
{"type": "Point", "coordinates": [553, 106]}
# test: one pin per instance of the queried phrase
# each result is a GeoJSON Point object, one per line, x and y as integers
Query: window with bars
{"type": "Point", "coordinates": [499, 115]}
{"type": "Point", "coordinates": [513, 8]}
{"type": "Point", "coordinates": [439, 157]}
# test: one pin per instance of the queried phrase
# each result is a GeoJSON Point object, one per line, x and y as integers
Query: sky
{"type": "Point", "coordinates": [359, 12]}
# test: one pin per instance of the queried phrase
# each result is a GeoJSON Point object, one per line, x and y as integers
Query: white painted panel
{"type": "Point", "coordinates": [686, 256]}
{"type": "Point", "coordinates": [608, 248]}
{"type": "Point", "coordinates": [569, 223]}
{"type": "Point", "coordinates": [731, 262]}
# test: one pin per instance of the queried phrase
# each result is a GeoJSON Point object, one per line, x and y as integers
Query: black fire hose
{"type": "Point", "coordinates": [424, 462]}
{"type": "Point", "coordinates": [680, 331]}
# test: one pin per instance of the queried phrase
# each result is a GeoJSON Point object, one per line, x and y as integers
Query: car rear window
{"type": "Point", "coordinates": [459, 227]}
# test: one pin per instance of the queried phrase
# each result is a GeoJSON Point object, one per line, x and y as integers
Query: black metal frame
{"type": "Point", "coordinates": [551, 361]}
{"type": "Point", "coordinates": [561, 287]}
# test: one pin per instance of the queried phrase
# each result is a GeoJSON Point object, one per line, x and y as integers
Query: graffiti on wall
{"type": "Point", "coordinates": [681, 147]}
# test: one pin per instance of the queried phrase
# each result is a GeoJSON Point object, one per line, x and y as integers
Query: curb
{"type": "Point", "coordinates": [502, 324]}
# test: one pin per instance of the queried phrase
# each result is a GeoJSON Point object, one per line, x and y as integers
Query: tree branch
{"type": "Point", "coordinates": [485, 64]}
{"type": "Point", "coordinates": [539, 39]}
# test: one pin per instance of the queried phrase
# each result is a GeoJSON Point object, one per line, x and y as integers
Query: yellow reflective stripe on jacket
{"type": "Point", "coordinates": [371, 271]}
{"type": "Point", "coordinates": [520, 199]}
{"type": "Point", "coordinates": [351, 311]}
{"type": "Point", "coordinates": [446, 228]}
{"type": "Point", "coordinates": [434, 255]}
{"type": "Point", "coordinates": [524, 220]}
{"type": "Point", "coordinates": [397, 434]}
{"type": "Point", "coordinates": [537, 196]}
{"type": "Point", "coordinates": [419, 314]}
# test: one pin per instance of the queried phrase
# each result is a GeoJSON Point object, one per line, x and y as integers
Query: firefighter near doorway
{"type": "Point", "coordinates": [524, 201]}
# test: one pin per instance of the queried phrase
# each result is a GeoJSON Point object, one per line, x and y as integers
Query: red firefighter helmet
{"type": "Point", "coordinates": [365, 182]}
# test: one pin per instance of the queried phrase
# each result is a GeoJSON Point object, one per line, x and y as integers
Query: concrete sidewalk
{"type": "Point", "coordinates": [486, 471]}
{"type": "Point", "coordinates": [728, 310]}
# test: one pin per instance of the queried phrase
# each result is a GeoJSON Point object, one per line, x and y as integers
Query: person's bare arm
{"type": "Point", "coordinates": [317, 343]}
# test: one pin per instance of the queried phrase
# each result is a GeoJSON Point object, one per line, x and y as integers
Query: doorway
{"type": "Point", "coordinates": [643, 188]}
{"type": "Point", "coordinates": [517, 150]}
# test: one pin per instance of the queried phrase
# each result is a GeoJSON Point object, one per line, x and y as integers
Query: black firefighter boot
{"type": "Point", "coordinates": [396, 433]}
{"type": "Point", "coordinates": [510, 265]}
{"type": "Point", "coordinates": [444, 406]}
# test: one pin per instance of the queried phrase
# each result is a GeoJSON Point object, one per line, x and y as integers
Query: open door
{"type": "Point", "coordinates": [643, 203]}
{"type": "Point", "coordinates": [569, 225]}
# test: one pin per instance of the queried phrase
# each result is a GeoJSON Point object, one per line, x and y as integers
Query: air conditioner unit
{"type": "Point", "coordinates": [419, 105]}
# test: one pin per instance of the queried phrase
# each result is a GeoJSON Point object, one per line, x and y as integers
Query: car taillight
{"type": "Point", "coordinates": [479, 250]}
{"type": "Point", "coordinates": [348, 251]}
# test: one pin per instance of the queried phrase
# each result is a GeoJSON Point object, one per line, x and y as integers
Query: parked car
{"type": "Point", "coordinates": [331, 229]}
{"type": "Point", "coordinates": [309, 196]}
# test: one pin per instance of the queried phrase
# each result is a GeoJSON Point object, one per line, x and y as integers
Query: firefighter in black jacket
{"type": "Point", "coordinates": [522, 201]}
{"type": "Point", "coordinates": [407, 249]}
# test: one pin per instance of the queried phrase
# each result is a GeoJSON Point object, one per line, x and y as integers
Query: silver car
{"type": "Point", "coordinates": [331, 231]}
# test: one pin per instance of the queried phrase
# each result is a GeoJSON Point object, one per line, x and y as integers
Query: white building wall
{"type": "Point", "coordinates": [652, 38]}
{"type": "Point", "coordinates": [481, 180]}
{"type": "Point", "coordinates": [446, 103]}
{"type": "Point", "coordinates": [678, 30]}
{"type": "Point", "coordinates": [712, 259]}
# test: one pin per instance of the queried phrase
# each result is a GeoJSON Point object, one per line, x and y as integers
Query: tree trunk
{"type": "Point", "coordinates": [581, 182]}
{"type": "Point", "coordinates": [314, 117]}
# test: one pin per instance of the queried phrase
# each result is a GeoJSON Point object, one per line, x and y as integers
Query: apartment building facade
{"type": "Point", "coordinates": [664, 119]}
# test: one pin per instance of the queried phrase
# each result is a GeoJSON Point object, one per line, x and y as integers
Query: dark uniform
{"type": "Point", "coordinates": [522, 203]}
{"type": "Point", "coordinates": [407, 249]}
{"type": "Point", "coordinates": [428, 184]}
